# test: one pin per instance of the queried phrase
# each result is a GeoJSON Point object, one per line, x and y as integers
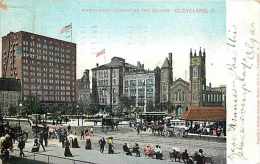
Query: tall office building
{"type": "Point", "coordinates": [46, 66]}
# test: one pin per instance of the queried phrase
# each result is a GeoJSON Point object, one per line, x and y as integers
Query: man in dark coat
{"type": "Point", "coordinates": [102, 143]}
{"type": "Point", "coordinates": [41, 140]}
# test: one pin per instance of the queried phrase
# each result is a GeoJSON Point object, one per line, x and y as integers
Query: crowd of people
{"type": "Point", "coordinates": [163, 128]}
{"type": "Point", "coordinates": [69, 140]}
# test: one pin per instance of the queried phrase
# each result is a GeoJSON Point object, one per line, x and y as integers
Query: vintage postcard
{"type": "Point", "coordinates": [134, 81]}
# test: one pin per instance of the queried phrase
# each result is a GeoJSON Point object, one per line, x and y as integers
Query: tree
{"type": "Point", "coordinates": [125, 104]}
{"type": "Point", "coordinates": [32, 105]}
{"type": "Point", "coordinates": [12, 110]}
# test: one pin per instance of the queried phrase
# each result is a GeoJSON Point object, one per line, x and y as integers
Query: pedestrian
{"type": "Point", "coordinates": [67, 152]}
{"type": "Point", "coordinates": [138, 129]}
{"type": "Point", "coordinates": [41, 141]}
{"type": "Point", "coordinates": [158, 152]}
{"type": "Point", "coordinates": [92, 131]}
{"type": "Point", "coordinates": [21, 146]}
{"type": "Point", "coordinates": [110, 146]}
{"type": "Point", "coordinates": [6, 145]}
{"type": "Point", "coordinates": [102, 143]}
{"type": "Point", "coordinates": [45, 136]}
{"type": "Point", "coordinates": [62, 138]}
{"type": "Point", "coordinates": [136, 150]}
{"type": "Point", "coordinates": [88, 143]}
{"type": "Point", "coordinates": [185, 156]}
{"type": "Point", "coordinates": [69, 128]}
{"type": "Point", "coordinates": [82, 134]}
{"type": "Point", "coordinates": [200, 158]}
{"type": "Point", "coordinates": [36, 146]}
{"type": "Point", "coordinates": [126, 149]}
{"type": "Point", "coordinates": [218, 132]}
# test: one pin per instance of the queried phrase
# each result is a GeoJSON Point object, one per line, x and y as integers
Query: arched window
{"type": "Point", "coordinates": [195, 71]}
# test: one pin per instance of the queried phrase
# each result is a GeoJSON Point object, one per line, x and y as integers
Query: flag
{"type": "Point", "coordinates": [102, 52]}
{"type": "Point", "coordinates": [67, 28]}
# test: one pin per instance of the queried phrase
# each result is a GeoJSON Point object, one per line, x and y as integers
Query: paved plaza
{"type": "Point", "coordinates": [216, 150]}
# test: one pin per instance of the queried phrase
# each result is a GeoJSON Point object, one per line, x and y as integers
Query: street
{"type": "Point", "coordinates": [216, 150]}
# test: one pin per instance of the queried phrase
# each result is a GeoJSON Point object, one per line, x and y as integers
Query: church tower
{"type": "Point", "coordinates": [166, 81]}
{"type": "Point", "coordinates": [197, 76]}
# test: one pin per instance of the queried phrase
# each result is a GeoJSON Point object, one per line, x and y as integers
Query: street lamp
{"type": "Point", "coordinates": [20, 106]}
{"type": "Point", "coordinates": [78, 113]}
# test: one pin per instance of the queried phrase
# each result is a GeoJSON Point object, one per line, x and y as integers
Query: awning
{"type": "Point", "coordinates": [198, 113]}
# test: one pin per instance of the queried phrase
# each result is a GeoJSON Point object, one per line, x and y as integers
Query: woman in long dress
{"type": "Point", "coordinates": [67, 152]}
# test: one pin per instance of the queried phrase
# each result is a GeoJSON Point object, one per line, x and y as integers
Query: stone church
{"type": "Point", "coordinates": [176, 96]}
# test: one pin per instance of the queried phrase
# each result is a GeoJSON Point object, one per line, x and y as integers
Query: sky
{"type": "Point", "coordinates": [144, 30]}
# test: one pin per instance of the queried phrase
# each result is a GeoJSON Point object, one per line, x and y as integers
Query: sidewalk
{"type": "Point", "coordinates": [55, 149]}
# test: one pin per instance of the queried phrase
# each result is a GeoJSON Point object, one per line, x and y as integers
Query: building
{"type": "Point", "coordinates": [10, 92]}
{"type": "Point", "coordinates": [197, 76]}
{"type": "Point", "coordinates": [142, 87]}
{"type": "Point", "coordinates": [83, 90]}
{"type": "Point", "coordinates": [46, 66]}
{"type": "Point", "coordinates": [107, 82]}
{"type": "Point", "coordinates": [179, 97]}
{"type": "Point", "coordinates": [166, 79]}
{"type": "Point", "coordinates": [202, 95]}
{"type": "Point", "coordinates": [215, 96]}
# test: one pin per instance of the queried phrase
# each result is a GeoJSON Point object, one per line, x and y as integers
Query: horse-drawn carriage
{"type": "Point", "coordinates": [111, 123]}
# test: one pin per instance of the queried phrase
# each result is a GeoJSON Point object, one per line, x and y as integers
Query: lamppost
{"type": "Point", "coordinates": [20, 106]}
{"type": "Point", "coordinates": [78, 113]}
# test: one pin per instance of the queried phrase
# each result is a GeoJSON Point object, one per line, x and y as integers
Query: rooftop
{"type": "Point", "coordinates": [198, 113]}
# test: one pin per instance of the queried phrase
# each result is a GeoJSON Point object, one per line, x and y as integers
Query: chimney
{"type": "Point", "coordinates": [170, 58]}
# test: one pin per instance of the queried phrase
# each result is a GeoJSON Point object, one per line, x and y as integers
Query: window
{"type": "Point", "coordinates": [126, 83]}
{"type": "Point", "coordinates": [195, 72]}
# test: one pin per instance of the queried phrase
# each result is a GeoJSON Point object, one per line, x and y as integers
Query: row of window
{"type": "Point", "coordinates": [31, 52]}
{"type": "Point", "coordinates": [48, 93]}
{"type": "Point", "coordinates": [9, 96]}
{"type": "Point", "coordinates": [213, 98]}
{"type": "Point", "coordinates": [49, 66]}
{"type": "Point", "coordinates": [46, 78]}
{"type": "Point", "coordinates": [141, 92]}
{"type": "Point", "coordinates": [45, 46]}
{"type": "Point", "coordinates": [46, 87]}
{"type": "Point", "coordinates": [132, 83]}
{"type": "Point", "coordinates": [106, 83]}
{"type": "Point", "coordinates": [105, 73]}
{"type": "Point", "coordinates": [179, 96]}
